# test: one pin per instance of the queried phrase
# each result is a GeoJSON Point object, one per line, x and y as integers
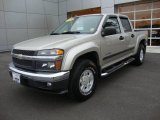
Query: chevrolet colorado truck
{"type": "Point", "coordinates": [73, 57]}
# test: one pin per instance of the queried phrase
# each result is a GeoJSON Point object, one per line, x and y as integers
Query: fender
{"type": "Point", "coordinates": [75, 52]}
{"type": "Point", "coordinates": [139, 39]}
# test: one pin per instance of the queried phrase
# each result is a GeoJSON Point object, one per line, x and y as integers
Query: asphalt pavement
{"type": "Point", "coordinates": [131, 93]}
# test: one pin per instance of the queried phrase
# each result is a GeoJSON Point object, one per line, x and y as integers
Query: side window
{"type": "Point", "coordinates": [126, 25]}
{"type": "Point", "coordinates": [113, 22]}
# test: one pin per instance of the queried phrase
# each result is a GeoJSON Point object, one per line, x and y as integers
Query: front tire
{"type": "Point", "coordinates": [83, 80]}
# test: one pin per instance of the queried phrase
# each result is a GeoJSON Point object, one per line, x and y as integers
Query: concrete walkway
{"type": "Point", "coordinates": [153, 49]}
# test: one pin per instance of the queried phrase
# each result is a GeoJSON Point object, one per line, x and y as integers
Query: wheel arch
{"type": "Point", "coordinates": [92, 56]}
{"type": "Point", "coordinates": [85, 51]}
{"type": "Point", "coordinates": [143, 42]}
{"type": "Point", "coordinates": [140, 40]}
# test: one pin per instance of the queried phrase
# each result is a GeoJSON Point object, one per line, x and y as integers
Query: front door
{"type": "Point", "coordinates": [113, 46]}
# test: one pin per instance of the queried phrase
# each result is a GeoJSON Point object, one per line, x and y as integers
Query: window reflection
{"type": "Point", "coordinates": [156, 33]}
{"type": "Point", "coordinates": [156, 37]}
{"type": "Point", "coordinates": [156, 13]}
{"type": "Point", "coordinates": [156, 23]}
{"type": "Point", "coordinates": [156, 4]}
{"type": "Point", "coordinates": [130, 15]}
{"type": "Point", "coordinates": [149, 41]}
{"type": "Point", "coordinates": [143, 15]}
{"type": "Point", "coordinates": [126, 8]}
{"type": "Point", "coordinates": [113, 22]}
{"type": "Point", "coordinates": [132, 23]}
{"type": "Point", "coordinates": [155, 42]}
{"type": "Point", "coordinates": [143, 24]}
{"type": "Point", "coordinates": [143, 6]}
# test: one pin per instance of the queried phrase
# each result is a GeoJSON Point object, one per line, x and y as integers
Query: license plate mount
{"type": "Point", "coordinates": [16, 77]}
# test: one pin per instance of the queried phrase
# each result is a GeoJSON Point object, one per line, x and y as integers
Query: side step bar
{"type": "Point", "coordinates": [115, 67]}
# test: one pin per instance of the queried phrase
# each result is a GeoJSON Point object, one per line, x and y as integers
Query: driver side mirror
{"type": "Point", "coordinates": [108, 31]}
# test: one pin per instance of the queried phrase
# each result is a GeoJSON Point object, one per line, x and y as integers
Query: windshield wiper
{"type": "Point", "coordinates": [68, 32]}
{"type": "Point", "coordinates": [71, 32]}
{"type": "Point", "coordinates": [55, 33]}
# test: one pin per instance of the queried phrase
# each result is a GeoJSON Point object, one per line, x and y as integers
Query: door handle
{"type": "Point", "coordinates": [132, 35]}
{"type": "Point", "coordinates": [121, 38]}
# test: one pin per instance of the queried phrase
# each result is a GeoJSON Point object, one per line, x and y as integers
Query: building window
{"type": "Point", "coordinates": [156, 13]}
{"type": "Point", "coordinates": [143, 24]}
{"type": "Point", "coordinates": [130, 15]}
{"type": "Point", "coordinates": [143, 6]}
{"type": "Point", "coordinates": [156, 23]}
{"type": "Point", "coordinates": [127, 8]}
{"type": "Point", "coordinates": [132, 23]}
{"type": "Point", "coordinates": [155, 37]}
{"type": "Point", "coordinates": [144, 15]}
{"type": "Point", "coordinates": [156, 4]}
{"type": "Point", "coordinates": [156, 33]}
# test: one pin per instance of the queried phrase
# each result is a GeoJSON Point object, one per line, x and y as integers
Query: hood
{"type": "Point", "coordinates": [49, 42]}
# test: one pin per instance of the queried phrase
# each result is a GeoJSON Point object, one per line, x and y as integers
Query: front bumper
{"type": "Point", "coordinates": [57, 82]}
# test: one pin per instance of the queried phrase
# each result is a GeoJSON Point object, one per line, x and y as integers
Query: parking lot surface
{"type": "Point", "coordinates": [131, 93]}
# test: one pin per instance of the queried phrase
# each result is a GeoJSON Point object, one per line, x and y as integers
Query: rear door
{"type": "Point", "coordinates": [128, 34]}
{"type": "Point", "coordinates": [113, 46]}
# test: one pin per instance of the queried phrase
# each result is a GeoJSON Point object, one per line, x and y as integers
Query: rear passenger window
{"type": "Point", "coordinates": [126, 25]}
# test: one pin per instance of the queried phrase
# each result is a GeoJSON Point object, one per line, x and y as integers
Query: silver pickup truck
{"type": "Point", "coordinates": [73, 57]}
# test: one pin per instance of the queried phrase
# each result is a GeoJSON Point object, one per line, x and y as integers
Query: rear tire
{"type": "Point", "coordinates": [140, 55]}
{"type": "Point", "coordinates": [83, 80]}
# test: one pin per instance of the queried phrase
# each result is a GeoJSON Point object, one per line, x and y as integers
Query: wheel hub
{"type": "Point", "coordinates": [86, 81]}
{"type": "Point", "coordinates": [141, 55]}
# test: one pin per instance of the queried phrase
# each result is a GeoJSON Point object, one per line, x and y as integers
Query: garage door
{"type": "Point", "coordinates": [84, 12]}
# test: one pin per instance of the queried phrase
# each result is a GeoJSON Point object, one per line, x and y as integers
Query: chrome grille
{"type": "Point", "coordinates": [25, 63]}
{"type": "Point", "coordinates": [22, 63]}
{"type": "Point", "coordinates": [24, 52]}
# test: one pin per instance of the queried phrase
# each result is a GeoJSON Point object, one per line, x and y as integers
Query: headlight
{"type": "Point", "coordinates": [54, 65]}
{"type": "Point", "coordinates": [53, 52]}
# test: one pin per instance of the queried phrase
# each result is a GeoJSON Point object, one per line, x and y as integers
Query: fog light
{"type": "Point", "coordinates": [48, 65]}
{"type": "Point", "coordinates": [51, 65]}
{"type": "Point", "coordinates": [49, 84]}
{"type": "Point", "coordinates": [44, 65]}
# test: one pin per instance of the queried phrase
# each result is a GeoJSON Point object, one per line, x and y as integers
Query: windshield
{"type": "Point", "coordinates": [79, 25]}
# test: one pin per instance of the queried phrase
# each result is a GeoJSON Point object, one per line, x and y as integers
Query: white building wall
{"type": "Point", "coordinates": [107, 6]}
{"type": "Point", "coordinates": [65, 6]}
{"type": "Point", "coordinates": [90, 3]}
{"type": "Point", "coordinates": [62, 11]}
{"type": "Point", "coordinates": [25, 19]}
{"type": "Point", "coordinates": [124, 1]}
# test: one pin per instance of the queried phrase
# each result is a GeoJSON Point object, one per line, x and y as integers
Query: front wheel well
{"type": "Point", "coordinates": [92, 56]}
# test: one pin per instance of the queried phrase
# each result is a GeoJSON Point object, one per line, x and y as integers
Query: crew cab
{"type": "Point", "coordinates": [79, 52]}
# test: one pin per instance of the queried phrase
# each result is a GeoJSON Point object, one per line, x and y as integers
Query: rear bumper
{"type": "Point", "coordinates": [57, 82]}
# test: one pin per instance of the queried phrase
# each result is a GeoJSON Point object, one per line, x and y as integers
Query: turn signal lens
{"type": "Point", "coordinates": [58, 65]}
{"type": "Point", "coordinates": [59, 52]}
